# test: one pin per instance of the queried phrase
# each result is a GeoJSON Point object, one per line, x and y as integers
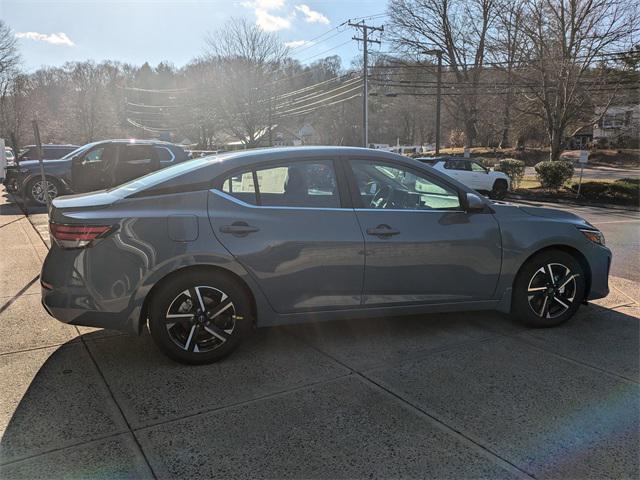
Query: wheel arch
{"type": "Point", "coordinates": [213, 269]}
{"type": "Point", "coordinates": [574, 252]}
{"type": "Point", "coordinates": [500, 180]}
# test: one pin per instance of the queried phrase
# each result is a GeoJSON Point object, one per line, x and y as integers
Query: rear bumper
{"type": "Point", "coordinates": [75, 307]}
{"type": "Point", "coordinates": [600, 264]}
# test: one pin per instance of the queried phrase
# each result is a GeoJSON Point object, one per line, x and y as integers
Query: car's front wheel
{"type": "Point", "coordinates": [199, 316]}
{"type": "Point", "coordinates": [548, 289]}
{"type": "Point", "coordinates": [37, 190]}
{"type": "Point", "coordinates": [499, 190]}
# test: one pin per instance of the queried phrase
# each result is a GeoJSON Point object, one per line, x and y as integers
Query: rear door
{"type": "Point", "coordinates": [134, 160]}
{"type": "Point", "coordinates": [460, 170]}
{"type": "Point", "coordinates": [288, 224]}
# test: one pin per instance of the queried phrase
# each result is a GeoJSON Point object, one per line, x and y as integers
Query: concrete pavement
{"type": "Point", "coordinates": [464, 395]}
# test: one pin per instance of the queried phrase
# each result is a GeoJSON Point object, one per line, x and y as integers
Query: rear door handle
{"type": "Point", "coordinates": [382, 231]}
{"type": "Point", "coordinates": [240, 229]}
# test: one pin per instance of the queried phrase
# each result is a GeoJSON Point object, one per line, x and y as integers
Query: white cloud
{"type": "Point", "coordinates": [59, 38]}
{"type": "Point", "coordinates": [311, 16]}
{"type": "Point", "coordinates": [298, 43]}
{"type": "Point", "coordinates": [266, 20]}
{"type": "Point", "coordinates": [271, 23]}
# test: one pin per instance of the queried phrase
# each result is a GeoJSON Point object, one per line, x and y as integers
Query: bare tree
{"type": "Point", "coordinates": [9, 56]}
{"type": "Point", "coordinates": [249, 58]}
{"type": "Point", "coordinates": [505, 48]}
{"type": "Point", "coordinates": [458, 28]}
{"type": "Point", "coordinates": [567, 39]}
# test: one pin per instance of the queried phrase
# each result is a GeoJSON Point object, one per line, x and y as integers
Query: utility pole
{"type": "Point", "coordinates": [365, 85]}
{"type": "Point", "coordinates": [437, 53]}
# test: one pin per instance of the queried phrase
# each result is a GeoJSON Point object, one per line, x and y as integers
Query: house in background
{"type": "Point", "coordinates": [619, 126]}
{"type": "Point", "coordinates": [280, 136]}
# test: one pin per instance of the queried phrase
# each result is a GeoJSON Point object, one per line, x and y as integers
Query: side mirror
{"type": "Point", "coordinates": [474, 203]}
{"type": "Point", "coordinates": [76, 160]}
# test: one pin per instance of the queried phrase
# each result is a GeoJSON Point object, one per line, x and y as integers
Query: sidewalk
{"type": "Point", "coordinates": [442, 396]}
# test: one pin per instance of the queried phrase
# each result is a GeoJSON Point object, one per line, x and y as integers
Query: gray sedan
{"type": "Point", "coordinates": [205, 250]}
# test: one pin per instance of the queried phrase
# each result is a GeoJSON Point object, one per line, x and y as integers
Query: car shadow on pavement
{"type": "Point", "coordinates": [78, 409]}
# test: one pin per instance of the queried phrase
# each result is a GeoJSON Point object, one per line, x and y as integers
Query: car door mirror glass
{"type": "Point", "coordinates": [474, 203]}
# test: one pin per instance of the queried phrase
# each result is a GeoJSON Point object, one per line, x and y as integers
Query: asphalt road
{"type": "Point", "coordinates": [591, 173]}
{"type": "Point", "coordinates": [621, 229]}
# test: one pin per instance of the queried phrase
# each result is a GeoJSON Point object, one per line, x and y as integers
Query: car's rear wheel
{"type": "Point", "coordinates": [12, 185]}
{"type": "Point", "coordinates": [499, 190]}
{"type": "Point", "coordinates": [36, 190]}
{"type": "Point", "coordinates": [199, 316]}
{"type": "Point", "coordinates": [548, 289]}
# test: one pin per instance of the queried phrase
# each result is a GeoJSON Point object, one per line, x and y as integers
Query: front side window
{"type": "Point", "coordinates": [476, 167]}
{"type": "Point", "coordinates": [295, 184]}
{"type": "Point", "coordinates": [388, 186]}
{"type": "Point", "coordinates": [94, 156]}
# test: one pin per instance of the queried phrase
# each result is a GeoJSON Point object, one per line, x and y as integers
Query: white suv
{"type": "Point", "coordinates": [471, 173]}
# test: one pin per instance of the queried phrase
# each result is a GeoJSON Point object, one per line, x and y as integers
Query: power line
{"type": "Point", "coordinates": [320, 101]}
{"type": "Point", "coordinates": [310, 110]}
{"type": "Point", "coordinates": [324, 51]}
{"type": "Point", "coordinates": [311, 96]}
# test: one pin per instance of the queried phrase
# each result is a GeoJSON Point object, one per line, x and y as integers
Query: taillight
{"type": "Point", "coordinates": [77, 236]}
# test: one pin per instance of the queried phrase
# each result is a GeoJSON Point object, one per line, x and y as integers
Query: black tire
{"type": "Point", "coordinates": [55, 189]}
{"type": "Point", "coordinates": [533, 291]}
{"type": "Point", "coordinates": [499, 190]}
{"type": "Point", "coordinates": [12, 186]}
{"type": "Point", "coordinates": [199, 339]}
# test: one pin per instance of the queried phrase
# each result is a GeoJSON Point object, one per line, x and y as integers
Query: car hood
{"type": "Point", "coordinates": [544, 212]}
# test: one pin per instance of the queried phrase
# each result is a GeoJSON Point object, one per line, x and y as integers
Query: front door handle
{"type": "Point", "coordinates": [382, 231]}
{"type": "Point", "coordinates": [239, 229]}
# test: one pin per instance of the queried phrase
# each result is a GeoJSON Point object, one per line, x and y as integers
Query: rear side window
{"type": "Point", "coordinates": [165, 155]}
{"type": "Point", "coordinates": [457, 165]}
{"type": "Point", "coordinates": [241, 186]}
{"type": "Point", "coordinates": [297, 184]}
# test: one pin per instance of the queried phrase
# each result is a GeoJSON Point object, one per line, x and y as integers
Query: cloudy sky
{"type": "Point", "coordinates": [51, 32]}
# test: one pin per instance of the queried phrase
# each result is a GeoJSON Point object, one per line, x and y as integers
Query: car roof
{"type": "Point", "coordinates": [53, 145]}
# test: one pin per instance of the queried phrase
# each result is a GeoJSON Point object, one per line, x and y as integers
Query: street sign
{"type": "Point", "coordinates": [584, 156]}
{"type": "Point", "coordinates": [3, 159]}
{"type": "Point", "coordinates": [583, 160]}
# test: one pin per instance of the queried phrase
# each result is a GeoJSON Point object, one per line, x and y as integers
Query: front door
{"type": "Point", "coordinates": [285, 224]}
{"type": "Point", "coordinates": [421, 246]}
{"type": "Point", "coordinates": [92, 170]}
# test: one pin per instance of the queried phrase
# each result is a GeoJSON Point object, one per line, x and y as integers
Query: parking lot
{"type": "Point", "coordinates": [463, 395]}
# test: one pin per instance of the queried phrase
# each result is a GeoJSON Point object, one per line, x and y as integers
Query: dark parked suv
{"type": "Point", "coordinates": [94, 166]}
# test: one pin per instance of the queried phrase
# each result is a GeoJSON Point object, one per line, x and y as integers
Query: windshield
{"type": "Point", "coordinates": [160, 176]}
{"type": "Point", "coordinates": [78, 151]}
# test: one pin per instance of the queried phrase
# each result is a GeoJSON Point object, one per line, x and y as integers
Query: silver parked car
{"type": "Point", "coordinates": [206, 249]}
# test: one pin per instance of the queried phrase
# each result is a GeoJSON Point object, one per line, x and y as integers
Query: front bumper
{"type": "Point", "coordinates": [600, 264]}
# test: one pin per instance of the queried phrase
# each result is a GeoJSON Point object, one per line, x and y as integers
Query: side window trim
{"type": "Point", "coordinates": [355, 191]}
{"type": "Point", "coordinates": [173, 157]}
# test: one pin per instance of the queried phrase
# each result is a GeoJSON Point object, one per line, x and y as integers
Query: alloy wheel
{"type": "Point", "coordinates": [38, 191]}
{"type": "Point", "coordinates": [552, 290]}
{"type": "Point", "coordinates": [200, 319]}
